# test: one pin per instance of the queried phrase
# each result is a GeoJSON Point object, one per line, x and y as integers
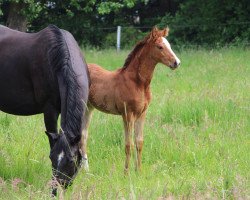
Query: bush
{"type": "Point", "coordinates": [212, 23]}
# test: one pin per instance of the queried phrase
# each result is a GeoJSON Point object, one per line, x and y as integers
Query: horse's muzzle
{"type": "Point", "coordinates": [63, 184]}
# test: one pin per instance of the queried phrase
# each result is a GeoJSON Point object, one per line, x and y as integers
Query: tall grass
{"type": "Point", "coordinates": [196, 137]}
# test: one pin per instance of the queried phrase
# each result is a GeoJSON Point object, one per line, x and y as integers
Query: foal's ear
{"type": "Point", "coordinates": [53, 137]}
{"type": "Point", "coordinates": [154, 29]}
{"type": "Point", "coordinates": [165, 32]}
{"type": "Point", "coordinates": [153, 33]}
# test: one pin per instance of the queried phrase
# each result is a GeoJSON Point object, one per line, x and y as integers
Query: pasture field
{"type": "Point", "coordinates": [197, 137]}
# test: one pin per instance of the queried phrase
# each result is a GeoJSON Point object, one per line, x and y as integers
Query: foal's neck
{"type": "Point", "coordinates": [142, 67]}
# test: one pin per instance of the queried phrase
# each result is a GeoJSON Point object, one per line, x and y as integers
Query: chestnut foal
{"type": "Point", "coordinates": [126, 91]}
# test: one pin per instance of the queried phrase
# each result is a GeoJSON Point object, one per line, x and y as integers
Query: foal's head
{"type": "Point", "coordinates": [65, 157]}
{"type": "Point", "coordinates": [160, 49]}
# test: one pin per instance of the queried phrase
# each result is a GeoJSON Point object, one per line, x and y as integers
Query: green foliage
{"type": "Point", "coordinates": [31, 9]}
{"type": "Point", "coordinates": [107, 7]}
{"type": "Point", "coordinates": [114, 6]}
{"type": "Point", "coordinates": [211, 22]}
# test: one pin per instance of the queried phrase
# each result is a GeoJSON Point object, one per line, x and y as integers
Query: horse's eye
{"type": "Point", "coordinates": [72, 160]}
{"type": "Point", "coordinates": [160, 47]}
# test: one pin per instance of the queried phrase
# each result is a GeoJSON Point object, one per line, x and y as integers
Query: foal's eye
{"type": "Point", "coordinates": [160, 47]}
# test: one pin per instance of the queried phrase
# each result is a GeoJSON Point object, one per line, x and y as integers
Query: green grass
{"type": "Point", "coordinates": [197, 137]}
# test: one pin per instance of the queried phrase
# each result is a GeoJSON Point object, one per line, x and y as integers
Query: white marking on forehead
{"type": "Point", "coordinates": [60, 157]}
{"type": "Point", "coordinates": [165, 41]}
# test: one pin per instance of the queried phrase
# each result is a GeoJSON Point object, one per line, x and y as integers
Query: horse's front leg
{"type": "Point", "coordinates": [83, 143]}
{"type": "Point", "coordinates": [139, 125]}
{"type": "Point", "coordinates": [128, 121]}
{"type": "Point", "coordinates": [51, 115]}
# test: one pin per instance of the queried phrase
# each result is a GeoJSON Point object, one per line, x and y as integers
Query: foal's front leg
{"type": "Point", "coordinates": [139, 125]}
{"type": "Point", "coordinates": [83, 143]}
{"type": "Point", "coordinates": [128, 121]}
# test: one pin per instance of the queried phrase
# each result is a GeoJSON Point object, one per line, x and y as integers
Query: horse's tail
{"type": "Point", "coordinates": [70, 69]}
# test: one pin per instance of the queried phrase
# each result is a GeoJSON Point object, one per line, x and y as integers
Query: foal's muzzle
{"type": "Point", "coordinates": [175, 64]}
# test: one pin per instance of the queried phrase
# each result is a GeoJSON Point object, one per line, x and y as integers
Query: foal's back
{"type": "Point", "coordinates": [104, 88]}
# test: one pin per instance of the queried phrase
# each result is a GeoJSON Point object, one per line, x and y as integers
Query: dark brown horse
{"type": "Point", "coordinates": [45, 73]}
{"type": "Point", "coordinates": [126, 91]}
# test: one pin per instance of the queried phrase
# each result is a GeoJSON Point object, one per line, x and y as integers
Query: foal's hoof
{"type": "Point", "coordinates": [85, 164]}
{"type": "Point", "coordinates": [138, 169]}
{"type": "Point", "coordinates": [126, 172]}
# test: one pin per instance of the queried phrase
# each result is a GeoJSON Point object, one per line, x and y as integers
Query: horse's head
{"type": "Point", "coordinates": [160, 49]}
{"type": "Point", "coordinates": [65, 157]}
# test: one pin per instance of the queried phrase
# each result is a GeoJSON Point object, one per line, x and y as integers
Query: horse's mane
{"type": "Point", "coordinates": [60, 60]}
{"type": "Point", "coordinates": [137, 48]}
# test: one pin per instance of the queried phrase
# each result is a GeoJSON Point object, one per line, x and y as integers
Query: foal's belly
{"type": "Point", "coordinates": [104, 106]}
{"type": "Point", "coordinates": [108, 111]}
{"type": "Point", "coordinates": [102, 97]}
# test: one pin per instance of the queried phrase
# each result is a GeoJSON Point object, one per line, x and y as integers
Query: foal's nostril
{"type": "Point", "coordinates": [176, 63]}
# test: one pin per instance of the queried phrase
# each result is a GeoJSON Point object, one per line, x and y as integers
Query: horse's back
{"type": "Point", "coordinates": [21, 71]}
{"type": "Point", "coordinates": [11, 40]}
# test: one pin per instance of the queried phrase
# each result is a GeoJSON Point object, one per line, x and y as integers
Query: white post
{"type": "Point", "coordinates": [118, 39]}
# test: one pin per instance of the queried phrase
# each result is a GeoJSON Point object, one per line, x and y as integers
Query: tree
{"type": "Point", "coordinates": [94, 21]}
{"type": "Point", "coordinates": [20, 12]}
{"type": "Point", "coordinates": [84, 19]}
{"type": "Point", "coordinates": [211, 22]}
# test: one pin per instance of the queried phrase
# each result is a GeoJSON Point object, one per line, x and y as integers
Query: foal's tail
{"type": "Point", "coordinates": [70, 69]}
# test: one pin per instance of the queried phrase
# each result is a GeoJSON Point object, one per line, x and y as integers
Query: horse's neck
{"type": "Point", "coordinates": [142, 67]}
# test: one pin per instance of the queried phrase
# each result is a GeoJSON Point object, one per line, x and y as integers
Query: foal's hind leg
{"type": "Point", "coordinates": [83, 143]}
{"type": "Point", "coordinates": [139, 125]}
{"type": "Point", "coordinates": [128, 121]}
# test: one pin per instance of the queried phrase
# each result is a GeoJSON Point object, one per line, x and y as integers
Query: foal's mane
{"type": "Point", "coordinates": [136, 49]}
{"type": "Point", "coordinates": [60, 61]}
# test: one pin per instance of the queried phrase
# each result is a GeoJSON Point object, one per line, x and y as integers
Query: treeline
{"type": "Point", "coordinates": [94, 22]}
